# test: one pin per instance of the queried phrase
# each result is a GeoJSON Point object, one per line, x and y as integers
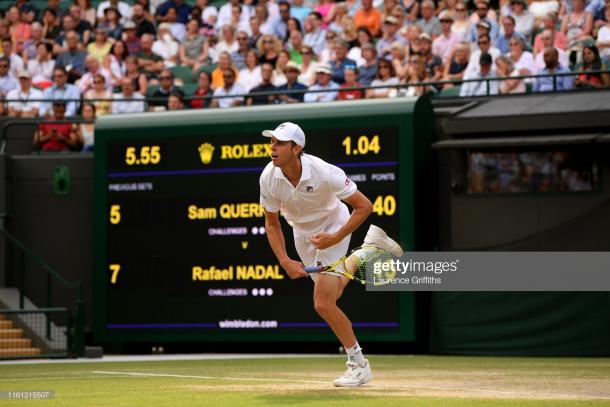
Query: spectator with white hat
{"type": "Point", "coordinates": [24, 101]}
{"type": "Point", "coordinates": [389, 36]}
{"type": "Point", "coordinates": [323, 82]}
{"type": "Point", "coordinates": [292, 72]}
{"type": "Point", "coordinates": [130, 36]}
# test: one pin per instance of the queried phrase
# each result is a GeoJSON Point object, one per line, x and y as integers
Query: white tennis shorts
{"type": "Point", "coordinates": [310, 256]}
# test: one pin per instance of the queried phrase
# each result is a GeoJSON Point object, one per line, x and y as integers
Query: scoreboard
{"type": "Point", "coordinates": [182, 252]}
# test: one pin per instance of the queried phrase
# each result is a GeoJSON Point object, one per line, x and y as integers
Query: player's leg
{"type": "Point", "coordinates": [326, 291]}
{"type": "Point", "coordinates": [325, 294]}
{"type": "Point", "coordinates": [329, 288]}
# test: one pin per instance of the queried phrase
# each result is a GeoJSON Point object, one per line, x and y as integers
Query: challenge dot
{"type": "Point", "coordinates": [261, 230]}
{"type": "Point", "coordinates": [262, 292]}
{"type": "Point", "coordinates": [269, 291]}
{"type": "Point", "coordinates": [254, 230]}
{"type": "Point", "coordinates": [255, 292]}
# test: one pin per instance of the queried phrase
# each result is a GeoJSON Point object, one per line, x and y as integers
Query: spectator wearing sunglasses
{"type": "Point", "coordinates": [99, 95]}
{"type": "Point", "coordinates": [229, 88]}
{"type": "Point", "coordinates": [444, 43]}
{"type": "Point", "coordinates": [483, 13]}
{"type": "Point", "coordinates": [166, 88]}
{"type": "Point", "coordinates": [484, 44]}
{"type": "Point", "coordinates": [243, 46]}
{"type": "Point", "coordinates": [61, 90]}
{"type": "Point", "coordinates": [308, 66]}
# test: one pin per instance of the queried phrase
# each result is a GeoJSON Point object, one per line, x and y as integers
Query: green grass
{"type": "Point", "coordinates": [399, 381]}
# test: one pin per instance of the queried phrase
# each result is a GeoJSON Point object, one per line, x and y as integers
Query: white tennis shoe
{"type": "Point", "coordinates": [355, 375]}
{"type": "Point", "coordinates": [377, 237]}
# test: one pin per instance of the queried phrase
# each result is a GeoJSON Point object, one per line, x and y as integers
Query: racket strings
{"type": "Point", "coordinates": [369, 263]}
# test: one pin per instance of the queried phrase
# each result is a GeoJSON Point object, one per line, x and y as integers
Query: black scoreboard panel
{"type": "Point", "coordinates": [186, 242]}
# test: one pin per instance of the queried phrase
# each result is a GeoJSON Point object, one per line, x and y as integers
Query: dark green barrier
{"type": "Point", "coordinates": [495, 323]}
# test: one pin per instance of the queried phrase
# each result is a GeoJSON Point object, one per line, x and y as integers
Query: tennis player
{"type": "Point", "coordinates": [309, 192]}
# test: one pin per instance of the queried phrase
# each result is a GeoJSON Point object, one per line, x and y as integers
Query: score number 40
{"type": "Point", "coordinates": [385, 205]}
{"type": "Point", "coordinates": [147, 155]}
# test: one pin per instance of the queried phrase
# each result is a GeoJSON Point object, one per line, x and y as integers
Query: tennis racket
{"type": "Point", "coordinates": [362, 261]}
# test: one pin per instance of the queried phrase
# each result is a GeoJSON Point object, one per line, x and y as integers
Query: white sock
{"type": "Point", "coordinates": [354, 354]}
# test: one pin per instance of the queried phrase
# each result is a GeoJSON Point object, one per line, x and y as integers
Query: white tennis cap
{"type": "Point", "coordinates": [287, 131]}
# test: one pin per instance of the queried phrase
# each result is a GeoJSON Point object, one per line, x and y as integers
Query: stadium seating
{"type": "Point", "coordinates": [449, 93]}
{"type": "Point", "coordinates": [184, 73]}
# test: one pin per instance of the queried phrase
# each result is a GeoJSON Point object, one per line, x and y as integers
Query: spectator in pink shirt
{"type": "Point", "coordinates": [550, 23]}
{"type": "Point", "coordinates": [444, 43]}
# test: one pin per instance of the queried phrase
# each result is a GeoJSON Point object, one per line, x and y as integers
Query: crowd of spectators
{"type": "Point", "coordinates": [116, 56]}
{"type": "Point", "coordinates": [528, 172]}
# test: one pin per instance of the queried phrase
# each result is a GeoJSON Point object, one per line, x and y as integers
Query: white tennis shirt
{"type": "Point", "coordinates": [316, 200]}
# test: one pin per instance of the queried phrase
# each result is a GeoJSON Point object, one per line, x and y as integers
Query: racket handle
{"type": "Point", "coordinates": [313, 269]}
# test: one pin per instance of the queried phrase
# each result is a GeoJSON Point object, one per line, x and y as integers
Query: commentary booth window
{"type": "Point", "coordinates": [533, 171]}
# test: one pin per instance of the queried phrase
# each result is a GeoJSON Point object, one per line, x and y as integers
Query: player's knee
{"type": "Point", "coordinates": [324, 307]}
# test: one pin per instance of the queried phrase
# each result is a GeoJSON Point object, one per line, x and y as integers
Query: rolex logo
{"type": "Point", "coordinates": [206, 150]}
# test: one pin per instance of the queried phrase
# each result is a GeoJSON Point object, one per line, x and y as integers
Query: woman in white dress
{"type": "Point", "coordinates": [279, 78]}
{"type": "Point", "coordinates": [41, 68]}
{"type": "Point", "coordinates": [228, 41]}
{"type": "Point", "coordinates": [386, 75]}
{"type": "Point", "coordinates": [114, 62]}
{"type": "Point", "coordinates": [308, 67]}
{"type": "Point", "coordinates": [363, 37]}
{"type": "Point", "coordinates": [461, 24]}
{"type": "Point", "coordinates": [328, 53]}
{"type": "Point", "coordinates": [250, 76]}
{"type": "Point", "coordinates": [165, 45]}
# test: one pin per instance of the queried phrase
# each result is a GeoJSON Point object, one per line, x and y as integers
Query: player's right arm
{"type": "Point", "coordinates": [272, 204]}
{"type": "Point", "coordinates": [293, 268]}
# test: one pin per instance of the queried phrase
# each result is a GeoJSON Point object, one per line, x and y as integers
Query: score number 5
{"type": "Point", "coordinates": [115, 214]}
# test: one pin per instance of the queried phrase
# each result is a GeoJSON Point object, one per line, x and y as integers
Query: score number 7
{"type": "Point", "coordinates": [115, 268]}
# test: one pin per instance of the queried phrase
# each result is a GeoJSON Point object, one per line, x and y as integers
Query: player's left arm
{"type": "Point", "coordinates": [362, 208]}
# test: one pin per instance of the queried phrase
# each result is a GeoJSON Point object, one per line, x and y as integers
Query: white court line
{"type": "Point", "coordinates": [169, 357]}
{"type": "Point", "coordinates": [29, 379]}
{"type": "Point", "coordinates": [253, 379]}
